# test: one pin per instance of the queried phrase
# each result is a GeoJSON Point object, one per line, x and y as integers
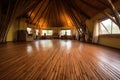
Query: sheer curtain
{"type": "Point", "coordinates": [96, 32]}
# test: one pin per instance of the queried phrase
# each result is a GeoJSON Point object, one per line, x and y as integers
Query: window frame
{"type": "Point", "coordinates": [109, 32]}
{"type": "Point", "coordinates": [65, 30]}
{"type": "Point", "coordinates": [47, 32]}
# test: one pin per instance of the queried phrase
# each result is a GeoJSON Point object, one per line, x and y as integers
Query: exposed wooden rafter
{"type": "Point", "coordinates": [103, 3]}
{"type": "Point", "coordinates": [75, 7]}
{"type": "Point", "coordinates": [91, 6]}
{"type": "Point", "coordinates": [115, 12]}
{"type": "Point", "coordinates": [111, 17]}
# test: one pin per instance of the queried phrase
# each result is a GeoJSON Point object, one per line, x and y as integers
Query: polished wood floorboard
{"type": "Point", "coordinates": [58, 60]}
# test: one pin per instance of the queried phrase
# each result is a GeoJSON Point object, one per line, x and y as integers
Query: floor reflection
{"type": "Point", "coordinates": [66, 45]}
{"type": "Point", "coordinates": [108, 60]}
{"type": "Point", "coordinates": [37, 45]}
{"type": "Point", "coordinates": [29, 50]}
{"type": "Point", "coordinates": [46, 44]}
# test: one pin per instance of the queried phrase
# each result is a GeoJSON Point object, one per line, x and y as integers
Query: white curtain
{"type": "Point", "coordinates": [96, 32]}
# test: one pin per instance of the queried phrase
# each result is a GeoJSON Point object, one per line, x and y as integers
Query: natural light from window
{"type": "Point", "coordinates": [109, 27]}
{"type": "Point", "coordinates": [29, 30]}
{"type": "Point", "coordinates": [37, 32]}
{"type": "Point", "coordinates": [67, 32]}
{"type": "Point", "coordinates": [47, 32]}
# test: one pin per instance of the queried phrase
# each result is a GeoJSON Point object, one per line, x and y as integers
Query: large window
{"type": "Point", "coordinates": [47, 32]}
{"type": "Point", "coordinates": [109, 27]}
{"type": "Point", "coordinates": [65, 32]}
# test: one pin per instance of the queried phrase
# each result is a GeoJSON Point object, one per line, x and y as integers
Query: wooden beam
{"type": "Point", "coordinates": [115, 12]}
{"type": "Point", "coordinates": [103, 3]}
{"type": "Point", "coordinates": [72, 16]}
{"type": "Point", "coordinates": [111, 17]}
{"type": "Point", "coordinates": [91, 6]}
{"type": "Point", "coordinates": [43, 12]}
{"type": "Point", "coordinates": [105, 28]}
{"type": "Point", "coordinates": [75, 7]}
{"type": "Point", "coordinates": [31, 6]}
{"type": "Point", "coordinates": [38, 10]}
{"type": "Point", "coordinates": [5, 24]}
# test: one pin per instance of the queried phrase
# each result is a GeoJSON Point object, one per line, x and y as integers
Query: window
{"type": "Point", "coordinates": [37, 32]}
{"type": "Point", "coordinates": [47, 32]}
{"type": "Point", "coordinates": [29, 30]}
{"type": "Point", "coordinates": [109, 27]}
{"type": "Point", "coordinates": [67, 32]}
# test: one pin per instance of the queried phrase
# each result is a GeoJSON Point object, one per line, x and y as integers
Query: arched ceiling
{"type": "Point", "coordinates": [57, 13]}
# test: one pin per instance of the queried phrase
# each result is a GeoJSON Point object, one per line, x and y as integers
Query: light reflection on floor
{"type": "Point", "coordinates": [37, 45]}
{"type": "Point", "coordinates": [29, 50]}
{"type": "Point", "coordinates": [103, 58]}
{"type": "Point", "coordinates": [46, 44]}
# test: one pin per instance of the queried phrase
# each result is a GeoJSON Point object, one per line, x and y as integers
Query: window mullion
{"type": "Point", "coordinates": [111, 27]}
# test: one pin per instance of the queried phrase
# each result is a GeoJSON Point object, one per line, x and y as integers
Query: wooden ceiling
{"type": "Point", "coordinates": [55, 13]}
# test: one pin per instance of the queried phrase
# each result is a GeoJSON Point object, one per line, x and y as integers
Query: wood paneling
{"type": "Point", "coordinates": [110, 40]}
{"type": "Point", "coordinates": [58, 60]}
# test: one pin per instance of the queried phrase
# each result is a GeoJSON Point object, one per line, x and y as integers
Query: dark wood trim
{"type": "Point", "coordinates": [110, 36]}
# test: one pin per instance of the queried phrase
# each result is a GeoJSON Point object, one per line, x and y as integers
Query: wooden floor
{"type": "Point", "coordinates": [58, 60]}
